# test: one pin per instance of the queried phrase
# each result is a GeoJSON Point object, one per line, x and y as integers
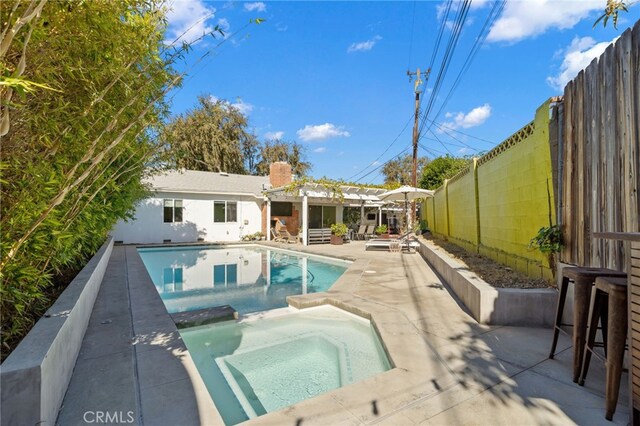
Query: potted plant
{"type": "Point", "coordinates": [382, 231]}
{"type": "Point", "coordinates": [338, 231]}
{"type": "Point", "coordinates": [549, 242]}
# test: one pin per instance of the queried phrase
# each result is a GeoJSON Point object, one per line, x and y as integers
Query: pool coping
{"type": "Point", "coordinates": [151, 316]}
{"type": "Point", "coordinates": [388, 323]}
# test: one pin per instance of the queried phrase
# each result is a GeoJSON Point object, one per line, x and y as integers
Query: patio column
{"type": "Point", "coordinates": [305, 218]}
{"type": "Point", "coordinates": [379, 215]}
{"type": "Point", "coordinates": [268, 219]}
{"type": "Point", "coordinates": [361, 212]}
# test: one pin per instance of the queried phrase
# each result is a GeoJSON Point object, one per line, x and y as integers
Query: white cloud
{"type": "Point", "coordinates": [524, 19]}
{"type": "Point", "coordinates": [473, 118]}
{"type": "Point", "coordinates": [188, 20]}
{"type": "Point", "coordinates": [577, 57]}
{"type": "Point", "coordinates": [319, 132]}
{"type": "Point", "coordinates": [478, 4]}
{"type": "Point", "coordinates": [320, 149]}
{"type": "Point", "coordinates": [256, 6]}
{"type": "Point", "coordinates": [281, 27]}
{"type": "Point", "coordinates": [224, 25]}
{"type": "Point", "coordinates": [244, 107]}
{"type": "Point", "coordinates": [274, 135]}
{"type": "Point", "coordinates": [364, 46]}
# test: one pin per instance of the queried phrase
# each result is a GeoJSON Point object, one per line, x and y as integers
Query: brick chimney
{"type": "Point", "coordinates": [279, 174]}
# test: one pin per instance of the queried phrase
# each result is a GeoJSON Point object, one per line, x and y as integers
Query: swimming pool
{"type": "Point", "coordinates": [248, 278]}
{"type": "Point", "coordinates": [255, 367]}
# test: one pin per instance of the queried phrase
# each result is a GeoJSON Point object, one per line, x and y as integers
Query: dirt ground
{"type": "Point", "coordinates": [493, 273]}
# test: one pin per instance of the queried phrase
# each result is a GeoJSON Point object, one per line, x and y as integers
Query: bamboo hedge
{"type": "Point", "coordinates": [82, 97]}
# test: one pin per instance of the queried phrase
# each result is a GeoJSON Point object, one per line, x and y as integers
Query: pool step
{"type": "Point", "coordinates": [204, 316]}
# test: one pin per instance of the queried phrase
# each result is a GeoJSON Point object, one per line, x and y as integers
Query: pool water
{"type": "Point", "coordinates": [255, 367]}
{"type": "Point", "coordinates": [248, 278]}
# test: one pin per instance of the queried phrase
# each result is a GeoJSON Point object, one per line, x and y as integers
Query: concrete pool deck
{"type": "Point", "coordinates": [448, 368]}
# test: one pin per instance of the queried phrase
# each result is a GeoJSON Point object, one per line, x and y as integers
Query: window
{"type": "Point", "coordinates": [225, 211]}
{"type": "Point", "coordinates": [321, 216]}
{"type": "Point", "coordinates": [172, 279]}
{"type": "Point", "coordinates": [281, 209]}
{"type": "Point", "coordinates": [225, 274]}
{"type": "Point", "coordinates": [172, 210]}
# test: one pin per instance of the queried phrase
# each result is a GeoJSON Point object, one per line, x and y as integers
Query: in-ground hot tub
{"type": "Point", "coordinates": [255, 367]}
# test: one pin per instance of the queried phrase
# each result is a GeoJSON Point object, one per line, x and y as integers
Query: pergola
{"type": "Point", "coordinates": [316, 193]}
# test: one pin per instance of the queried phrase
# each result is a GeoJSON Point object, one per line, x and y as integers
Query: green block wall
{"type": "Point", "coordinates": [514, 200]}
{"type": "Point", "coordinates": [463, 223]}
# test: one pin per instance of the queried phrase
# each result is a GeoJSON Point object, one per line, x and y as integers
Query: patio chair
{"type": "Point", "coordinates": [360, 235]}
{"type": "Point", "coordinates": [370, 232]}
{"type": "Point", "coordinates": [285, 236]}
{"type": "Point", "coordinates": [406, 241]}
{"type": "Point", "coordinates": [275, 237]}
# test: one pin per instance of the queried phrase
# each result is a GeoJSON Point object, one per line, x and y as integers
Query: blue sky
{"type": "Point", "coordinates": [332, 75]}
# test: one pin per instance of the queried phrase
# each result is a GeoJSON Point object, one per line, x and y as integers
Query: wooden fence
{"type": "Point", "coordinates": [600, 157]}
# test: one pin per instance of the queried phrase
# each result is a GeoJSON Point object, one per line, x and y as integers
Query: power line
{"type": "Point", "coordinates": [385, 163]}
{"type": "Point", "coordinates": [493, 15]}
{"type": "Point", "coordinates": [385, 151]}
{"type": "Point", "coordinates": [446, 60]}
{"type": "Point", "coordinates": [442, 126]}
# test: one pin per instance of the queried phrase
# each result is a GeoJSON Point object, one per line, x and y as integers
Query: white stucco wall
{"type": "Point", "coordinates": [197, 220]}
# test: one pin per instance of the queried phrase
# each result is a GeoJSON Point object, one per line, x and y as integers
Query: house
{"type": "Point", "coordinates": [190, 206]}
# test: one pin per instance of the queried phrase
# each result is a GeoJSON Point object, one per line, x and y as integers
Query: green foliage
{"type": "Point", "coordinates": [613, 8]}
{"type": "Point", "coordinates": [382, 229]}
{"type": "Point", "coordinates": [548, 240]}
{"type": "Point", "coordinates": [210, 137]}
{"type": "Point", "coordinates": [279, 150]}
{"type": "Point", "coordinates": [398, 172]}
{"type": "Point", "coordinates": [442, 168]}
{"type": "Point", "coordinates": [79, 140]}
{"type": "Point", "coordinates": [339, 229]}
{"type": "Point", "coordinates": [423, 226]}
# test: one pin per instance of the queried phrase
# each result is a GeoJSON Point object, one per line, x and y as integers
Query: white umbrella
{"type": "Point", "coordinates": [406, 193]}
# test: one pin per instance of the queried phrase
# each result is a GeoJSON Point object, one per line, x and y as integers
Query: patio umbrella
{"type": "Point", "coordinates": [406, 193]}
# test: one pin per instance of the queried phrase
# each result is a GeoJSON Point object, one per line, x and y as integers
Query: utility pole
{"type": "Point", "coordinates": [416, 90]}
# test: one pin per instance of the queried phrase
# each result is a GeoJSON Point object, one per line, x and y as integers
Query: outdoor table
{"type": "Point", "coordinates": [633, 292]}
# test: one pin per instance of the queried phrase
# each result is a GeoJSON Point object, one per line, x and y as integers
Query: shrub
{"type": "Point", "coordinates": [382, 229]}
{"type": "Point", "coordinates": [339, 229]}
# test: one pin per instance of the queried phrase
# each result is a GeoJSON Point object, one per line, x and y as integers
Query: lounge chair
{"type": "Point", "coordinates": [406, 241]}
{"type": "Point", "coordinates": [360, 235]}
{"type": "Point", "coordinates": [285, 236]}
{"type": "Point", "coordinates": [275, 237]}
{"type": "Point", "coordinates": [370, 232]}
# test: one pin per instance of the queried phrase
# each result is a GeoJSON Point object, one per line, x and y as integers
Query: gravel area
{"type": "Point", "coordinates": [494, 273]}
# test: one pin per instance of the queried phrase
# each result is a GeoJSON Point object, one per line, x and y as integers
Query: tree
{"type": "Point", "coordinates": [78, 142]}
{"type": "Point", "coordinates": [210, 137]}
{"type": "Point", "coordinates": [251, 154]}
{"type": "Point", "coordinates": [442, 168]}
{"type": "Point", "coordinates": [279, 150]}
{"type": "Point", "coordinates": [611, 10]}
{"type": "Point", "coordinates": [398, 172]}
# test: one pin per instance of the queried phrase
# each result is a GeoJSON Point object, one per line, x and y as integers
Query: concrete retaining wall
{"type": "Point", "coordinates": [487, 304]}
{"type": "Point", "coordinates": [35, 376]}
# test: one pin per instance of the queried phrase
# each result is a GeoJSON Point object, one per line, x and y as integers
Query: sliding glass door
{"type": "Point", "coordinates": [321, 216]}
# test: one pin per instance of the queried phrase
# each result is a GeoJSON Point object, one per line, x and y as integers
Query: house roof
{"type": "Point", "coordinates": [192, 181]}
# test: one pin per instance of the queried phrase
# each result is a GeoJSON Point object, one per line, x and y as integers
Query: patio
{"type": "Point", "coordinates": [449, 369]}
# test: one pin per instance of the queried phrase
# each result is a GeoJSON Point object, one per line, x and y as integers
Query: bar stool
{"type": "Point", "coordinates": [611, 297]}
{"type": "Point", "coordinates": [583, 279]}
